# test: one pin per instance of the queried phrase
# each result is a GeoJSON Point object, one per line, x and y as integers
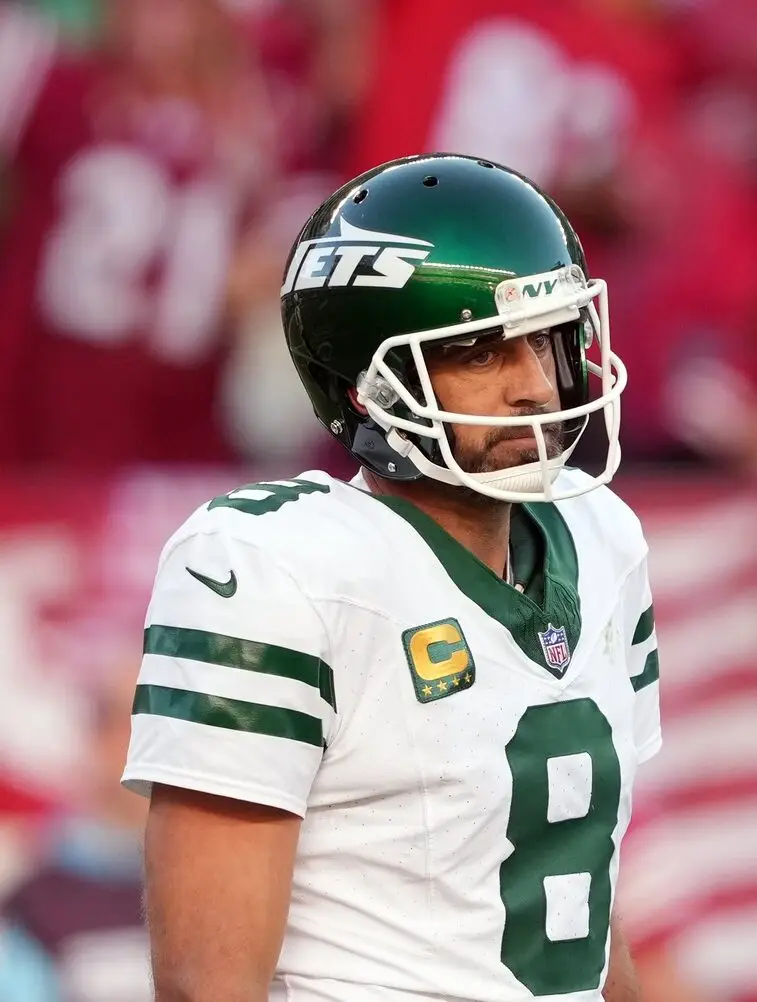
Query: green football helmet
{"type": "Point", "coordinates": [444, 248]}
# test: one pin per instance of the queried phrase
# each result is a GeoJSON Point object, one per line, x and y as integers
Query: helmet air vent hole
{"type": "Point", "coordinates": [431, 182]}
{"type": "Point", "coordinates": [361, 196]}
{"type": "Point", "coordinates": [485, 163]}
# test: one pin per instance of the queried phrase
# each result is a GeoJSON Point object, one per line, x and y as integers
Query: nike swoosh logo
{"type": "Point", "coordinates": [226, 589]}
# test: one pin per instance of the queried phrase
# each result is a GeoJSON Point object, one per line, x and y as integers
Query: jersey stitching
{"type": "Point", "coordinates": [144, 772]}
{"type": "Point", "coordinates": [586, 641]}
{"type": "Point", "coordinates": [649, 748]}
{"type": "Point", "coordinates": [337, 719]}
{"type": "Point", "coordinates": [428, 837]}
{"type": "Point", "coordinates": [590, 639]}
{"type": "Point", "coordinates": [547, 678]}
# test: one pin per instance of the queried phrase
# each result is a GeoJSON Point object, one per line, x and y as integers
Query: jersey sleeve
{"type": "Point", "coordinates": [235, 695]}
{"type": "Point", "coordinates": [643, 662]}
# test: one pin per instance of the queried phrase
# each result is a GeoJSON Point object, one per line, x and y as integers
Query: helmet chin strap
{"type": "Point", "coordinates": [525, 479]}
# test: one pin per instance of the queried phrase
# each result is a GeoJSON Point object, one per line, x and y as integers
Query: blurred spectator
{"type": "Point", "coordinates": [73, 929]}
{"type": "Point", "coordinates": [79, 19]}
{"type": "Point", "coordinates": [317, 58]}
{"type": "Point", "coordinates": [134, 171]}
{"type": "Point", "coordinates": [719, 42]}
{"type": "Point", "coordinates": [712, 391]}
{"type": "Point", "coordinates": [587, 97]}
{"type": "Point", "coordinates": [556, 90]}
{"type": "Point", "coordinates": [682, 302]}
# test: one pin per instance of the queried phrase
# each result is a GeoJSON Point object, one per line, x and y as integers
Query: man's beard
{"type": "Point", "coordinates": [481, 459]}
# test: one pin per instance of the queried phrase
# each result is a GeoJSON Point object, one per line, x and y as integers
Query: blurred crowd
{"type": "Point", "coordinates": [159, 157]}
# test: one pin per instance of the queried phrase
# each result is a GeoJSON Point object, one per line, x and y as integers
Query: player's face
{"type": "Point", "coordinates": [503, 378]}
{"type": "Point", "coordinates": [154, 32]}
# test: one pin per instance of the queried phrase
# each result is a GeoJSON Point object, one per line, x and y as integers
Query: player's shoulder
{"type": "Point", "coordinates": [600, 521]}
{"type": "Point", "coordinates": [310, 523]}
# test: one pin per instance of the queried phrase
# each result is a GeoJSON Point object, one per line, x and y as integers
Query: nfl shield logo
{"type": "Point", "coordinates": [554, 643]}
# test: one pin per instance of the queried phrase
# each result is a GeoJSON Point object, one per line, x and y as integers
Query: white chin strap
{"type": "Point", "coordinates": [519, 314]}
{"type": "Point", "coordinates": [526, 479]}
{"type": "Point", "coordinates": [530, 481]}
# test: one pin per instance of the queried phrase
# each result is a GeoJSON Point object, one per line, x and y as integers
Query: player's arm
{"type": "Point", "coordinates": [218, 879]}
{"type": "Point", "coordinates": [622, 984]}
{"type": "Point", "coordinates": [234, 705]}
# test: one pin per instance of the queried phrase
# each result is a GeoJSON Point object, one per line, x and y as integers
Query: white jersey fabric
{"type": "Point", "coordinates": [462, 755]}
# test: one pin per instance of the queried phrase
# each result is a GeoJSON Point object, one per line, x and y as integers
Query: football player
{"type": "Point", "coordinates": [390, 728]}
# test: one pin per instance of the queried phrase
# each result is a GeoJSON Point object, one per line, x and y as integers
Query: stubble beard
{"type": "Point", "coordinates": [480, 459]}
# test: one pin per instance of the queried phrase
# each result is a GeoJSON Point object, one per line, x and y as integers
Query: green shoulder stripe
{"type": "Point", "coordinates": [644, 627]}
{"type": "Point", "coordinates": [650, 674]}
{"type": "Point", "coordinates": [233, 714]}
{"type": "Point", "coordinates": [247, 655]}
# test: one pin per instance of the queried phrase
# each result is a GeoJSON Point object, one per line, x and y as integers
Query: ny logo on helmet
{"type": "Point", "coordinates": [540, 289]}
{"type": "Point", "coordinates": [511, 293]}
{"type": "Point", "coordinates": [334, 261]}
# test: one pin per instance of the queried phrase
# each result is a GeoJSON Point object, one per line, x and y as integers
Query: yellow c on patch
{"type": "Point", "coordinates": [440, 660]}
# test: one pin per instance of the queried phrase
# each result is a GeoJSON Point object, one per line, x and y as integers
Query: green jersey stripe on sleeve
{"type": "Point", "coordinates": [644, 627]}
{"type": "Point", "coordinates": [232, 714]}
{"type": "Point", "coordinates": [247, 655]}
{"type": "Point", "coordinates": [650, 674]}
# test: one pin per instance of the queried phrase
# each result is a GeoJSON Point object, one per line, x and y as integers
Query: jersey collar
{"type": "Point", "coordinates": [545, 562]}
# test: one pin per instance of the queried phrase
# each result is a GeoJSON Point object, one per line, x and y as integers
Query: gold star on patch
{"type": "Point", "coordinates": [427, 690]}
{"type": "Point", "coordinates": [456, 681]}
{"type": "Point", "coordinates": [442, 687]}
{"type": "Point", "coordinates": [468, 677]}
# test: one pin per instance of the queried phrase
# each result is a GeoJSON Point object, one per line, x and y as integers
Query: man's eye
{"type": "Point", "coordinates": [540, 341]}
{"type": "Point", "coordinates": [482, 358]}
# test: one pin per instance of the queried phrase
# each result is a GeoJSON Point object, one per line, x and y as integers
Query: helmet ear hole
{"type": "Point", "coordinates": [352, 397]}
{"type": "Point", "coordinates": [570, 365]}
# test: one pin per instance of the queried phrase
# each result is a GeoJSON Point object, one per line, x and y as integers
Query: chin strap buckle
{"type": "Point", "coordinates": [399, 442]}
{"type": "Point", "coordinates": [378, 390]}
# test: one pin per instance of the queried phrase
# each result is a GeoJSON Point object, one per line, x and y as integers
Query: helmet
{"type": "Point", "coordinates": [444, 248]}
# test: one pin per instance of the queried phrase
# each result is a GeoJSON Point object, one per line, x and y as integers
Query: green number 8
{"type": "Point", "coordinates": [577, 848]}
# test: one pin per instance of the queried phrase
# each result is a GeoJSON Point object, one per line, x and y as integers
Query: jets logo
{"type": "Point", "coordinates": [334, 261]}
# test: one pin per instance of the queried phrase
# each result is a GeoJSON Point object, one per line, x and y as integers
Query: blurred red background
{"type": "Point", "coordinates": [159, 156]}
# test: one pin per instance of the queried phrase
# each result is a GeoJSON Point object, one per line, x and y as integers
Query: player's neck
{"type": "Point", "coordinates": [479, 524]}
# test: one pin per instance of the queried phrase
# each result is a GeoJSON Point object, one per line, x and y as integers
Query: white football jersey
{"type": "Point", "coordinates": [462, 753]}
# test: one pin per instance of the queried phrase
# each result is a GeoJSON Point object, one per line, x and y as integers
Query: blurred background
{"type": "Point", "coordinates": [158, 158]}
